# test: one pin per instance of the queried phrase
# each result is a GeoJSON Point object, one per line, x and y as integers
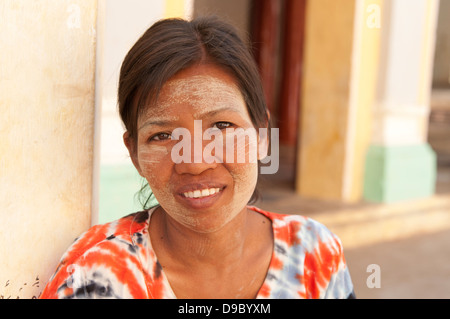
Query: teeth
{"type": "Point", "coordinates": [201, 193]}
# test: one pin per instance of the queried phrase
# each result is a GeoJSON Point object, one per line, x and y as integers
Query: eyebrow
{"type": "Point", "coordinates": [156, 122]}
{"type": "Point", "coordinates": [223, 109]}
{"type": "Point", "coordinates": [162, 121]}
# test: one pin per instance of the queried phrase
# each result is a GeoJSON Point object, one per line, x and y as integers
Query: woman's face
{"type": "Point", "coordinates": [199, 193]}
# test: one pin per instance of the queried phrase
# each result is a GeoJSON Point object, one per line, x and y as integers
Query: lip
{"type": "Point", "coordinates": [200, 202]}
{"type": "Point", "coordinates": [198, 186]}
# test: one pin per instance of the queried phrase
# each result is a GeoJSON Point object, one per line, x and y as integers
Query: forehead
{"type": "Point", "coordinates": [198, 88]}
{"type": "Point", "coordinates": [204, 89]}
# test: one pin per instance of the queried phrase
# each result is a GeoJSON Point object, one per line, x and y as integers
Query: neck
{"type": "Point", "coordinates": [226, 244]}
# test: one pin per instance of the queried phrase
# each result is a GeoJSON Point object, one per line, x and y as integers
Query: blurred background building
{"type": "Point", "coordinates": [348, 83]}
{"type": "Point", "coordinates": [360, 90]}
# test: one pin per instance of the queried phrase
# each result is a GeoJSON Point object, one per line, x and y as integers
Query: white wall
{"type": "Point", "coordinates": [123, 22]}
{"type": "Point", "coordinates": [120, 24]}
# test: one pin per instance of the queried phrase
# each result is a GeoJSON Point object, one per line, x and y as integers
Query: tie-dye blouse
{"type": "Point", "coordinates": [116, 260]}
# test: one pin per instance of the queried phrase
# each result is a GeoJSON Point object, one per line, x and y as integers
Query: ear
{"type": "Point", "coordinates": [263, 143]}
{"type": "Point", "coordinates": [131, 145]}
{"type": "Point", "coordinates": [263, 140]}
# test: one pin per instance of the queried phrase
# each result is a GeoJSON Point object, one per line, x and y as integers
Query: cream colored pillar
{"type": "Point", "coordinates": [46, 126]}
{"type": "Point", "coordinates": [400, 164]}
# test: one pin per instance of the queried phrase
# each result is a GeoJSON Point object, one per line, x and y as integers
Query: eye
{"type": "Point", "coordinates": [160, 137]}
{"type": "Point", "coordinates": [222, 125]}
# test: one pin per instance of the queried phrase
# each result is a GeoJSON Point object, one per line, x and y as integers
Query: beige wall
{"type": "Point", "coordinates": [325, 98]}
{"type": "Point", "coordinates": [47, 100]}
{"type": "Point", "coordinates": [441, 75]}
{"type": "Point", "coordinates": [234, 11]}
{"type": "Point", "coordinates": [366, 80]}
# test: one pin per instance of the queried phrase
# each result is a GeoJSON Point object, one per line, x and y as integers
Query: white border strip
{"type": "Point", "coordinates": [100, 33]}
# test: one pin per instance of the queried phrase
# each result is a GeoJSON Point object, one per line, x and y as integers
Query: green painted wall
{"type": "Point", "coordinates": [119, 185]}
{"type": "Point", "coordinates": [395, 173]}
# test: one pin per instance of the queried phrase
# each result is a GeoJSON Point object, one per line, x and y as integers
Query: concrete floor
{"type": "Point", "coordinates": [415, 267]}
{"type": "Point", "coordinates": [410, 241]}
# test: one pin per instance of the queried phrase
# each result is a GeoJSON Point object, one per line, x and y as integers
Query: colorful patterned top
{"type": "Point", "coordinates": [116, 260]}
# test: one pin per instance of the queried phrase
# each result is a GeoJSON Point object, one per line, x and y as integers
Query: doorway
{"type": "Point", "coordinates": [277, 37]}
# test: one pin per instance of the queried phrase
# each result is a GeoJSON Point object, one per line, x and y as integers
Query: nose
{"type": "Point", "coordinates": [195, 163]}
{"type": "Point", "coordinates": [189, 153]}
{"type": "Point", "coordinates": [194, 168]}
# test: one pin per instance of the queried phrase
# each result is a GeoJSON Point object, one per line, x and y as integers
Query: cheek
{"type": "Point", "coordinates": [241, 162]}
{"type": "Point", "coordinates": [153, 159]}
{"type": "Point", "coordinates": [239, 146]}
{"type": "Point", "coordinates": [245, 177]}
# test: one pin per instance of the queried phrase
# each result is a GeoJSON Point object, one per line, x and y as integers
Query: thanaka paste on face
{"type": "Point", "coordinates": [204, 94]}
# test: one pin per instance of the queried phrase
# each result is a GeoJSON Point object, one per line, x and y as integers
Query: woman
{"type": "Point", "coordinates": [182, 83]}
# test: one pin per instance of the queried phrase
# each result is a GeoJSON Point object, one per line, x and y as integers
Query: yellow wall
{"type": "Point", "coordinates": [428, 51]}
{"type": "Point", "coordinates": [46, 124]}
{"type": "Point", "coordinates": [175, 9]}
{"type": "Point", "coordinates": [365, 65]}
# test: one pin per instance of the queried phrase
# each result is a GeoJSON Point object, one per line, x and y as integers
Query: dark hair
{"type": "Point", "coordinates": [172, 45]}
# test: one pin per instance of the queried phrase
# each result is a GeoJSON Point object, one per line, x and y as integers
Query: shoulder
{"type": "Point", "coordinates": [104, 234]}
{"type": "Point", "coordinates": [315, 252]}
{"type": "Point", "coordinates": [296, 229]}
{"type": "Point", "coordinates": [95, 256]}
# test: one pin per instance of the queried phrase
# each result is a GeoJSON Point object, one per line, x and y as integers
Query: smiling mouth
{"type": "Point", "coordinates": [200, 193]}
